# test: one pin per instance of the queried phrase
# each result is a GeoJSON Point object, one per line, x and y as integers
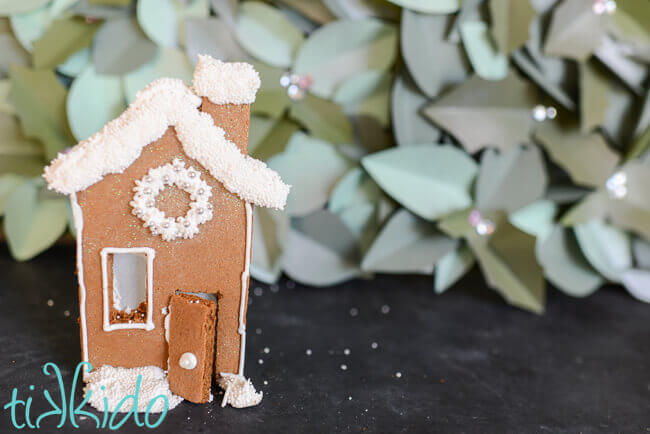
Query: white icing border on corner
{"type": "Point", "coordinates": [244, 287]}
{"type": "Point", "coordinates": [225, 82]}
{"type": "Point", "coordinates": [77, 216]}
{"type": "Point", "coordinates": [151, 254]}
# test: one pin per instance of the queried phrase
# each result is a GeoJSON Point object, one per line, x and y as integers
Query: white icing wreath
{"type": "Point", "coordinates": [187, 179]}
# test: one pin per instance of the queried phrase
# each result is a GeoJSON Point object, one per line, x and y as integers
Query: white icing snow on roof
{"type": "Point", "coordinates": [169, 102]}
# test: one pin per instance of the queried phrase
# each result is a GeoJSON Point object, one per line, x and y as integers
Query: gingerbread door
{"type": "Point", "coordinates": [191, 346]}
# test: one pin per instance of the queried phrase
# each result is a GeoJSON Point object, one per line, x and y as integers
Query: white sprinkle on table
{"type": "Point", "coordinates": [385, 309]}
{"type": "Point", "coordinates": [50, 302]}
{"type": "Point", "coordinates": [66, 313]}
{"type": "Point", "coordinates": [398, 374]}
{"type": "Point", "coordinates": [344, 367]}
{"type": "Point", "coordinates": [374, 345]}
{"type": "Point", "coordinates": [346, 351]}
{"type": "Point", "coordinates": [354, 311]}
{"type": "Point", "coordinates": [260, 361]}
{"type": "Point", "coordinates": [267, 350]}
{"type": "Point", "coordinates": [308, 352]}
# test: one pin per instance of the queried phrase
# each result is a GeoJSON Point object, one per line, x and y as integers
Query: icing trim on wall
{"type": "Point", "coordinates": [77, 215]}
{"type": "Point", "coordinates": [244, 288]}
{"type": "Point", "coordinates": [151, 254]}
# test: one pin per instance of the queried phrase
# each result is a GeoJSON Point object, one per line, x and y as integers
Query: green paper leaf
{"type": "Point", "coordinates": [575, 30]}
{"type": "Point", "coordinates": [488, 63]}
{"type": "Point", "coordinates": [429, 180]}
{"type": "Point", "coordinates": [456, 224]}
{"type": "Point", "coordinates": [312, 167]}
{"type": "Point", "coordinates": [8, 183]}
{"type": "Point", "coordinates": [33, 220]}
{"type": "Point", "coordinates": [637, 283]}
{"type": "Point", "coordinates": [272, 99]}
{"type": "Point", "coordinates": [510, 23]}
{"type": "Point", "coordinates": [5, 106]}
{"type": "Point", "coordinates": [11, 7]}
{"type": "Point", "coordinates": [407, 244]}
{"type": "Point", "coordinates": [607, 248]}
{"type": "Point", "coordinates": [341, 49]}
{"type": "Point", "coordinates": [164, 20]}
{"type": "Point", "coordinates": [226, 10]}
{"type": "Point", "coordinates": [629, 216]}
{"type": "Point", "coordinates": [39, 100]}
{"type": "Point", "coordinates": [428, 6]}
{"type": "Point", "coordinates": [507, 259]}
{"type": "Point", "coordinates": [11, 53]}
{"type": "Point", "coordinates": [93, 101]}
{"type": "Point", "coordinates": [409, 126]}
{"type": "Point", "coordinates": [586, 157]}
{"type": "Point", "coordinates": [63, 38]}
{"type": "Point", "coordinates": [362, 220]}
{"type": "Point", "coordinates": [87, 8]}
{"type": "Point", "coordinates": [593, 96]}
{"type": "Point", "coordinates": [424, 47]}
{"type": "Point", "coordinates": [565, 266]}
{"type": "Point", "coordinates": [593, 206]}
{"type": "Point", "coordinates": [629, 25]}
{"type": "Point", "coordinates": [12, 140]}
{"type": "Point", "coordinates": [169, 62]}
{"type": "Point", "coordinates": [320, 250]}
{"type": "Point", "coordinates": [29, 26]}
{"type": "Point", "coordinates": [121, 47]}
{"type": "Point", "coordinates": [274, 141]}
{"type": "Point", "coordinates": [366, 94]}
{"type": "Point", "coordinates": [451, 267]}
{"type": "Point", "coordinates": [536, 219]}
{"type": "Point", "coordinates": [360, 9]}
{"type": "Point", "coordinates": [270, 231]}
{"type": "Point", "coordinates": [485, 105]}
{"type": "Point", "coordinates": [76, 63]}
{"type": "Point", "coordinates": [641, 251]}
{"type": "Point", "coordinates": [322, 118]}
{"type": "Point", "coordinates": [630, 71]}
{"type": "Point", "coordinates": [212, 36]}
{"type": "Point", "coordinates": [355, 187]}
{"type": "Point", "coordinates": [510, 180]}
{"type": "Point", "coordinates": [267, 34]}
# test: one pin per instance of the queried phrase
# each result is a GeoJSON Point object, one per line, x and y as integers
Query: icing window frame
{"type": "Point", "coordinates": [108, 324]}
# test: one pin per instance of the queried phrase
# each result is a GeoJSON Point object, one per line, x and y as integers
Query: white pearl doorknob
{"type": "Point", "coordinates": [187, 361]}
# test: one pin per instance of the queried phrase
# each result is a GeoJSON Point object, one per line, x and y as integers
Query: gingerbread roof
{"type": "Point", "coordinates": [170, 102]}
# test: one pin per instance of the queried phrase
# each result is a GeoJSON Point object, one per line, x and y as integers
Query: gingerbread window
{"type": "Point", "coordinates": [127, 277]}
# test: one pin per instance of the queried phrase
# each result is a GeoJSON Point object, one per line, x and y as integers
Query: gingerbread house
{"type": "Point", "coordinates": [162, 201]}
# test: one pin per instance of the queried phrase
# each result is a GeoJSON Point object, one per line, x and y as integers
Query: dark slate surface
{"type": "Point", "coordinates": [468, 362]}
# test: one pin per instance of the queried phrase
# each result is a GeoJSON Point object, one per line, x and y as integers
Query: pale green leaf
{"type": "Point", "coordinates": [358, 9]}
{"type": "Point", "coordinates": [8, 183]}
{"type": "Point", "coordinates": [592, 206]}
{"type": "Point", "coordinates": [366, 95]}
{"type": "Point", "coordinates": [164, 20]}
{"type": "Point", "coordinates": [312, 167]}
{"type": "Point", "coordinates": [487, 61]}
{"type": "Point", "coordinates": [429, 180]}
{"type": "Point", "coordinates": [267, 34]}
{"type": "Point", "coordinates": [594, 87]}
{"type": "Point", "coordinates": [409, 126]}
{"type": "Point", "coordinates": [355, 187]}
{"type": "Point", "coordinates": [62, 38]}
{"type": "Point", "coordinates": [274, 140]}
{"type": "Point", "coordinates": [429, 6]}
{"type": "Point", "coordinates": [11, 7]}
{"type": "Point", "coordinates": [510, 23]}
{"type": "Point", "coordinates": [637, 283]}
{"type": "Point", "coordinates": [212, 36]}
{"type": "Point", "coordinates": [33, 220]}
{"type": "Point", "coordinates": [536, 219]}
{"type": "Point", "coordinates": [39, 100]}
{"type": "Point", "coordinates": [510, 180]}
{"type": "Point", "coordinates": [121, 47]}
{"type": "Point", "coordinates": [76, 63]}
{"type": "Point", "coordinates": [270, 230]}
{"type": "Point", "coordinates": [607, 248]}
{"type": "Point", "coordinates": [322, 118]}
{"type": "Point", "coordinates": [451, 267]}
{"type": "Point", "coordinates": [434, 63]}
{"type": "Point", "coordinates": [169, 62]}
{"type": "Point", "coordinates": [341, 49]}
{"type": "Point", "coordinates": [93, 101]}
{"type": "Point", "coordinates": [320, 250]}
{"type": "Point", "coordinates": [29, 26]}
{"type": "Point", "coordinates": [565, 266]}
{"type": "Point", "coordinates": [407, 244]}
{"type": "Point", "coordinates": [575, 30]}
{"type": "Point", "coordinates": [11, 53]}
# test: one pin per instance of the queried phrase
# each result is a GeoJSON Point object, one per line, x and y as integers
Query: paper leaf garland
{"type": "Point", "coordinates": [565, 266]}
{"type": "Point", "coordinates": [510, 180]}
{"type": "Point", "coordinates": [320, 250]}
{"type": "Point", "coordinates": [429, 180]}
{"type": "Point", "coordinates": [451, 267]}
{"type": "Point", "coordinates": [409, 126]}
{"type": "Point", "coordinates": [121, 47]}
{"type": "Point", "coordinates": [423, 45]}
{"type": "Point", "coordinates": [39, 100]}
{"type": "Point", "coordinates": [487, 61]}
{"type": "Point", "coordinates": [62, 39]}
{"type": "Point", "coordinates": [575, 30]}
{"type": "Point", "coordinates": [270, 230]}
{"type": "Point", "coordinates": [267, 34]}
{"type": "Point", "coordinates": [637, 283]}
{"type": "Point", "coordinates": [607, 248]}
{"type": "Point", "coordinates": [498, 111]}
{"type": "Point", "coordinates": [312, 167]}
{"type": "Point", "coordinates": [406, 244]}
{"type": "Point", "coordinates": [322, 118]}
{"type": "Point", "coordinates": [33, 222]}
{"type": "Point", "coordinates": [428, 6]}
{"type": "Point", "coordinates": [510, 23]}
{"type": "Point", "coordinates": [341, 49]}
{"type": "Point", "coordinates": [164, 20]}
{"type": "Point", "coordinates": [88, 115]}
{"type": "Point", "coordinates": [211, 36]}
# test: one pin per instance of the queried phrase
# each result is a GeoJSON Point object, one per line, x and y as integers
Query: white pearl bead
{"type": "Point", "coordinates": [187, 361]}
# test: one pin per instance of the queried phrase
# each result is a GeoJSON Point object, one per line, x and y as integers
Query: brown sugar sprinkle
{"type": "Point", "coordinates": [137, 316]}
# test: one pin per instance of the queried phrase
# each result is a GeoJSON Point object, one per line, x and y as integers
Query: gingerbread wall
{"type": "Point", "coordinates": [211, 262]}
